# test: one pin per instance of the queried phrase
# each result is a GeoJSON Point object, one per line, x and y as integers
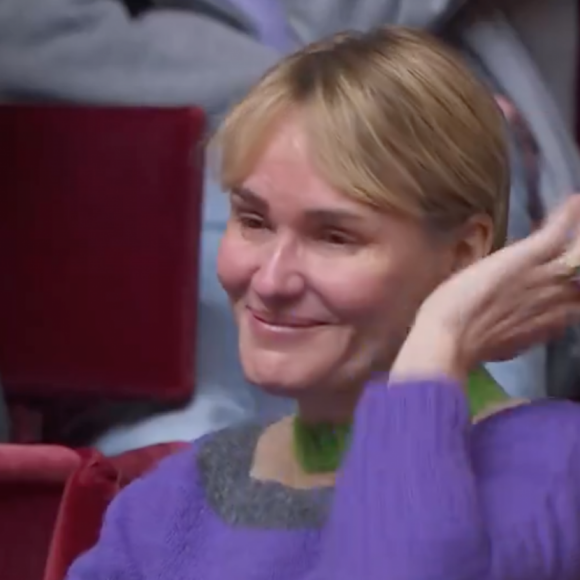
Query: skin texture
{"type": "Point", "coordinates": [324, 289]}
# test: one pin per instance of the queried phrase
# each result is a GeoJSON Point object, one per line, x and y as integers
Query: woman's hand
{"type": "Point", "coordinates": [501, 305]}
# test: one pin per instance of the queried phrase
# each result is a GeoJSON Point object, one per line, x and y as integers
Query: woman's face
{"type": "Point", "coordinates": [323, 288]}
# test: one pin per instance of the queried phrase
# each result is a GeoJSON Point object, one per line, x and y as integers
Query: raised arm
{"type": "Point", "coordinates": [423, 494]}
{"type": "Point", "coordinates": [421, 497]}
{"type": "Point", "coordinates": [406, 505]}
{"type": "Point", "coordinates": [93, 51]}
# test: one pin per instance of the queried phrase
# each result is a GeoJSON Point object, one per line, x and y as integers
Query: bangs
{"type": "Point", "coordinates": [239, 143]}
{"type": "Point", "coordinates": [393, 119]}
{"type": "Point", "coordinates": [347, 153]}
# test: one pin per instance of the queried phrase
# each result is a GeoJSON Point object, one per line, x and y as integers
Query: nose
{"type": "Point", "coordinates": [279, 276]}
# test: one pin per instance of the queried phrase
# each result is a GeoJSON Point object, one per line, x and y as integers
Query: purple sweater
{"type": "Point", "coordinates": [422, 495]}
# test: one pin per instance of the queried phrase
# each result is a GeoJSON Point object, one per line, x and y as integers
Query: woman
{"type": "Point", "coordinates": [45, 53]}
{"type": "Point", "coordinates": [369, 178]}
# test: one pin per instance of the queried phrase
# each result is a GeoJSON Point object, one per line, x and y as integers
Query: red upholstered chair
{"type": "Point", "coordinates": [99, 235]}
{"type": "Point", "coordinates": [52, 500]}
{"type": "Point", "coordinates": [38, 537]}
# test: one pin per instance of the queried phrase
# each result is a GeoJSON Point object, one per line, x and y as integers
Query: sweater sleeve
{"type": "Point", "coordinates": [92, 51]}
{"type": "Point", "coordinates": [413, 502]}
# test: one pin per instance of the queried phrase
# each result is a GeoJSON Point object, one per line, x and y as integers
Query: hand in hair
{"type": "Point", "coordinates": [518, 296]}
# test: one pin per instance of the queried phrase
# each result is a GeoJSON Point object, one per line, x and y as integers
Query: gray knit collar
{"type": "Point", "coordinates": [224, 463]}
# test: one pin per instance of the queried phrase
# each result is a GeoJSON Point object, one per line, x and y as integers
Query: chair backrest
{"type": "Point", "coordinates": [52, 503]}
{"type": "Point", "coordinates": [99, 235]}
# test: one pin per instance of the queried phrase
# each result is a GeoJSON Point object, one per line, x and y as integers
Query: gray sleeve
{"type": "Point", "coordinates": [93, 51]}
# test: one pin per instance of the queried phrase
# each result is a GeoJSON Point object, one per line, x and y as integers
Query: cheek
{"type": "Point", "coordinates": [358, 286]}
{"type": "Point", "coordinates": [374, 291]}
{"type": "Point", "coordinates": [373, 306]}
{"type": "Point", "coordinates": [233, 268]}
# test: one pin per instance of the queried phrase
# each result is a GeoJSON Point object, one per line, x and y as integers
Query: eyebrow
{"type": "Point", "coordinates": [326, 216]}
{"type": "Point", "coordinates": [248, 196]}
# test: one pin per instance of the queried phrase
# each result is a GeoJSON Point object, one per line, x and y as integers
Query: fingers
{"type": "Point", "coordinates": [560, 233]}
{"type": "Point", "coordinates": [549, 324]}
{"type": "Point", "coordinates": [555, 272]}
{"type": "Point", "coordinates": [573, 242]}
{"type": "Point", "coordinates": [513, 337]}
{"type": "Point", "coordinates": [558, 236]}
{"type": "Point", "coordinates": [543, 303]}
{"type": "Point", "coordinates": [553, 296]}
{"type": "Point", "coordinates": [536, 295]}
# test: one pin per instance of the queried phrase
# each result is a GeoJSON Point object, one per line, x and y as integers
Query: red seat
{"type": "Point", "coordinates": [35, 483]}
{"type": "Point", "coordinates": [52, 501]}
{"type": "Point", "coordinates": [99, 235]}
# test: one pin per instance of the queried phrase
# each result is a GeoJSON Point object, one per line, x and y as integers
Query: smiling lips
{"type": "Point", "coordinates": [284, 322]}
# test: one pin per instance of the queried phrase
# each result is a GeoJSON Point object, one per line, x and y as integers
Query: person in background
{"type": "Point", "coordinates": [364, 262]}
{"type": "Point", "coordinates": [208, 53]}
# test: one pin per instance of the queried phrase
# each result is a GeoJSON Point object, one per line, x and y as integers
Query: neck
{"type": "Point", "coordinates": [333, 407]}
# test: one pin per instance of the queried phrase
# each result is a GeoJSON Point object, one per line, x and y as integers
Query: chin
{"type": "Point", "coordinates": [281, 375]}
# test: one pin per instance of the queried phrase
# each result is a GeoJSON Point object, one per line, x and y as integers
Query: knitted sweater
{"type": "Point", "coordinates": [422, 495]}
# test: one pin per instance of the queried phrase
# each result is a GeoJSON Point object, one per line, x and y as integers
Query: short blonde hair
{"type": "Point", "coordinates": [395, 119]}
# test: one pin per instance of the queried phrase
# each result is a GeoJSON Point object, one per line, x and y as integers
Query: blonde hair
{"type": "Point", "coordinates": [394, 120]}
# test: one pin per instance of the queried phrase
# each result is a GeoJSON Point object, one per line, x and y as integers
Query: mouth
{"type": "Point", "coordinates": [289, 323]}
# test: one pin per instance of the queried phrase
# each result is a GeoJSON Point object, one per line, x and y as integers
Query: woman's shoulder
{"type": "Point", "coordinates": [183, 469]}
{"type": "Point", "coordinates": [543, 434]}
{"type": "Point", "coordinates": [527, 463]}
{"type": "Point", "coordinates": [542, 415]}
{"type": "Point", "coordinates": [159, 517]}
{"type": "Point", "coordinates": [180, 480]}
{"type": "Point", "coordinates": [168, 480]}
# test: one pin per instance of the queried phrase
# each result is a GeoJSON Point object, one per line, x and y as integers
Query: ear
{"type": "Point", "coordinates": [473, 241]}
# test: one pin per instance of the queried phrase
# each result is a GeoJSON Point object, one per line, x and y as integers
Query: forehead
{"type": "Point", "coordinates": [286, 174]}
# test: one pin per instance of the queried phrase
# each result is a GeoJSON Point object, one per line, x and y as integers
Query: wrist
{"type": "Point", "coordinates": [430, 350]}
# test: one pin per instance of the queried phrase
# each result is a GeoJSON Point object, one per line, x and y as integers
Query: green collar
{"type": "Point", "coordinates": [319, 448]}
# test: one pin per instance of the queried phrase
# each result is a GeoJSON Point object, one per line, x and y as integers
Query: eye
{"type": "Point", "coordinates": [337, 238]}
{"type": "Point", "coordinates": [250, 220]}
